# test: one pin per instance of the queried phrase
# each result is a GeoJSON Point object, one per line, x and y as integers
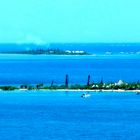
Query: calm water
{"type": "Point", "coordinates": [29, 69]}
{"type": "Point", "coordinates": [40, 115]}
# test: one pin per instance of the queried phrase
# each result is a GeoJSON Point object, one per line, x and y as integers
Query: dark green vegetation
{"type": "Point", "coordinates": [89, 86]}
{"type": "Point", "coordinates": [94, 86]}
{"type": "Point", "coordinates": [8, 88]}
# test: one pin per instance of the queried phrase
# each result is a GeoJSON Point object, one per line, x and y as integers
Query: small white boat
{"type": "Point", "coordinates": [85, 95]}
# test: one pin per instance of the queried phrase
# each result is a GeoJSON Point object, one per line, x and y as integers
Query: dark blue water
{"type": "Point", "coordinates": [29, 69]}
{"type": "Point", "coordinates": [42, 115]}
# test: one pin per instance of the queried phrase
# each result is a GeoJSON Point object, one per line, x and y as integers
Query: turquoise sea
{"type": "Point", "coordinates": [53, 115]}
{"type": "Point", "coordinates": [33, 69]}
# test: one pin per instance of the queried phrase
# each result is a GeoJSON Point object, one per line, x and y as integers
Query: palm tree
{"type": "Point", "coordinates": [101, 81]}
{"type": "Point", "coordinates": [88, 82]}
{"type": "Point", "coordinates": [67, 81]}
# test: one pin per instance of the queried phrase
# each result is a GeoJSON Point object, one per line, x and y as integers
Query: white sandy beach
{"type": "Point", "coordinates": [84, 90]}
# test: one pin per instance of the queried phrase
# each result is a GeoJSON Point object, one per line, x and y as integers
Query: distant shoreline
{"type": "Point", "coordinates": [74, 55]}
{"type": "Point", "coordinates": [48, 51]}
{"type": "Point", "coordinates": [122, 48]}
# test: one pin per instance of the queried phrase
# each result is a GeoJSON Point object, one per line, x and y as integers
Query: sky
{"type": "Point", "coordinates": [71, 21]}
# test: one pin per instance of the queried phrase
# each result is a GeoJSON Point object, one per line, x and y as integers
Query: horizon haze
{"type": "Point", "coordinates": [86, 21]}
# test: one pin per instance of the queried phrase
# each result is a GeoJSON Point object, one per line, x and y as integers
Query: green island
{"type": "Point", "coordinates": [100, 86]}
{"type": "Point", "coordinates": [48, 51]}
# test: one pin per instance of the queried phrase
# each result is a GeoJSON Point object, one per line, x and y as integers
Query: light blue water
{"type": "Point", "coordinates": [42, 115]}
{"type": "Point", "coordinates": [30, 69]}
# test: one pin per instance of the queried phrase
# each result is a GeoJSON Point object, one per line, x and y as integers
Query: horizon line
{"type": "Point", "coordinates": [32, 43]}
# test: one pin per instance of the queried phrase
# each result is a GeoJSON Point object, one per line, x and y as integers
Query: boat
{"type": "Point", "coordinates": [85, 95]}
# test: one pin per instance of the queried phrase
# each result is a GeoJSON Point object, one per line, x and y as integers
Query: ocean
{"type": "Point", "coordinates": [32, 69]}
{"type": "Point", "coordinates": [53, 115]}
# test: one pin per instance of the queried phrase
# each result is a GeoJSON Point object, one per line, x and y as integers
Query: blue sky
{"type": "Point", "coordinates": [45, 21]}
